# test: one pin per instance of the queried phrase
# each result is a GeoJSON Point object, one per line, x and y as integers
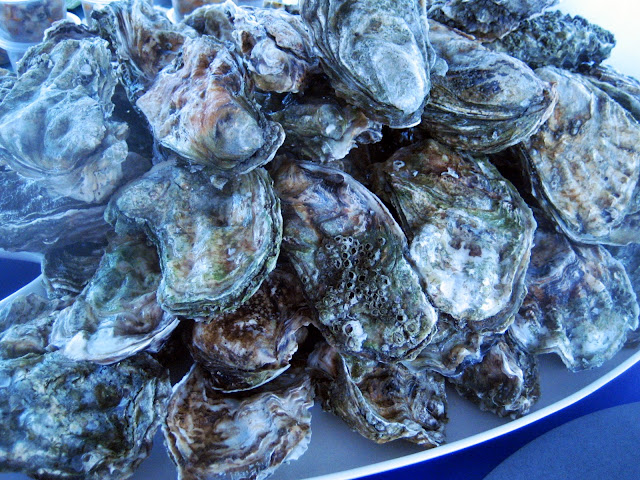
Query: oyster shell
{"type": "Point", "coordinates": [200, 106]}
{"type": "Point", "coordinates": [291, 6]}
{"type": "Point", "coordinates": [117, 314]}
{"type": "Point", "coordinates": [629, 257]}
{"type": "Point", "coordinates": [352, 258]}
{"type": "Point", "coordinates": [487, 19]}
{"type": "Point", "coordinates": [66, 270]}
{"type": "Point", "coordinates": [505, 382]}
{"type": "Point", "coordinates": [372, 51]}
{"type": "Point", "coordinates": [557, 39]}
{"type": "Point", "coordinates": [215, 257]}
{"type": "Point", "coordinates": [239, 436]}
{"type": "Point", "coordinates": [276, 46]}
{"type": "Point", "coordinates": [382, 402]}
{"type": "Point", "coordinates": [65, 419]}
{"type": "Point", "coordinates": [323, 130]}
{"type": "Point", "coordinates": [485, 101]}
{"type": "Point", "coordinates": [584, 163]}
{"type": "Point", "coordinates": [470, 231]}
{"type": "Point", "coordinates": [253, 344]}
{"type": "Point", "coordinates": [622, 88]}
{"type": "Point", "coordinates": [580, 302]}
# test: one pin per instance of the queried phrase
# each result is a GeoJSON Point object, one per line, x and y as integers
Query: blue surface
{"type": "Point", "coordinates": [15, 274]}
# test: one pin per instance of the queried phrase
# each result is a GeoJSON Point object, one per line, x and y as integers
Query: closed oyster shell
{"type": "Point", "coordinates": [253, 344]}
{"type": "Point", "coordinates": [557, 39]}
{"type": "Point", "coordinates": [485, 101]}
{"type": "Point", "coordinates": [116, 315]}
{"type": "Point", "coordinates": [245, 435]}
{"type": "Point", "coordinates": [62, 419]}
{"type": "Point", "coordinates": [488, 19]}
{"type": "Point", "coordinates": [580, 302]}
{"type": "Point", "coordinates": [584, 163]}
{"type": "Point", "coordinates": [373, 52]}
{"type": "Point", "coordinates": [622, 88]}
{"type": "Point", "coordinates": [629, 257]}
{"type": "Point", "coordinates": [216, 241]}
{"type": "Point", "coordinates": [323, 130]}
{"type": "Point", "coordinates": [201, 107]}
{"type": "Point", "coordinates": [382, 402]}
{"type": "Point", "coordinates": [505, 382]}
{"type": "Point", "coordinates": [352, 258]}
{"type": "Point", "coordinates": [470, 231]}
{"type": "Point", "coordinates": [276, 46]}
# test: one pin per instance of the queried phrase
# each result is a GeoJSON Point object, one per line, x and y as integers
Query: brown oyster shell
{"type": "Point", "coordinates": [253, 344]}
{"type": "Point", "coordinates": [382, 402]}
{"type": "Point", "coordinates": [484, 101]}
{"type": "Point", "coordinates": [352, 258]}
{"type": "Point", "coordinates": [237, 436]}
{"type": "Point", "coordinates": [200, 107]}
{"type": "Point", "coordinates": [585, 163]}
{"type": "Point", "coordinates": [372, 51]}
{"type": "Point", "coordinates": [217, 239]}
{"type": "Point", "coordinates": [470, 231]}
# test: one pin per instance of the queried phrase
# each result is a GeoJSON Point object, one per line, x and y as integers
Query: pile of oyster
{"type": "Point", "coordinates": [349, 201]}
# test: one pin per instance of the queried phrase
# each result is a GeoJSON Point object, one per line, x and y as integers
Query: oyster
{"type": "Point", "coordinates": [200, 106]}
{"type": "Point", "coordinates": [485, 101]}
{"type": "Point", "coordinates": [254, 344]}
{"type": "Point", "coordinates": [66, 270]}
{"type": "Point", "coordinates": [629, 257]}
{"type": "Point", "coordinates": [382, 402]}
{"type": "Point", "coordinates": [65, 419]}
{"type": "Point", "coordinates": [116, 315]}
{"type": "Point", "coordinates": [239, 436]}
{"type": "Point", "coordinates": [323, 130]}
{"type": "Point", "coordinates": [622, 88]}
{"type": "Point", "coordinates": [276, 47]}
{"type": "Point", "coordinates": [372, 52]}
{"type": "Point", "coordinates": [217, 239]}
{"type": "Point", "coordinates": [580, 303]}
{"type": "Point", "coordinates": [470, 231]}
{"type": "Point", "coordinates": [352, 258]}
{"type": "Point", "coordinates": [505, 382]}
{"type": "Point", "coordinates": [487, 19]}
{"type": "Point", "coordinates": [291, 6]}
{"type": "Point", "coordinates": [584, 163]}
{"type": "Point", "coordinates": [557, 39]}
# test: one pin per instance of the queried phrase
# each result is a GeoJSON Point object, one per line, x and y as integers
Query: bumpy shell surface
{"type": "Point", "coordinates": [351, 256]}
{"type": "Point", "coordinates": [117, 314]}
{"type": "Point", "coordinates": [376, 53]}
{"type": "Point", "coordinates": [200, 107]}
{"type": "Point", "coordinates": [471, 233]}
{"type": "Point", "coordinates": [62, 419]}
{"type": "Point", "coordinates": [246, 435]}
{"type": "Point", "coordinates": [629, 257]}
{"type": "Point", "coordinates": [505, 382]}
{"type": "Point", "coordinates": [382, 402]}
{"type": "Point", "coordinates": [66, 270]}
{"type": "Point", "coordinates": [585, 163]}
{"type": "Point", "coordinates": [276, 46]}
{"type": "Point", "coordinates": [580, 302]}
{"type": "Point", "coordinates": [323, 130]}
{"type": "Point", "coordinates": [622, 88]}
{"type": "Point", "coordinates": [557, 39]}
{"type": "Point", "coordinates": [485, 101]}
{"type": "Point", "coordinates": [486, 19]}
{"type": "Point", "coordinates": [216, 242]}
{"type": "Point", "coordinates": [253, 344]}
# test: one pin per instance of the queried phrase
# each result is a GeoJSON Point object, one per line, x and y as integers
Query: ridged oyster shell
{"type": "Point", "coordinates": [580, 302]}
{"type": "Point", "coordinates": [200, 106]}
{"type": "Point", "coordinates": [116, 315]}
{"type": "Point", "coordinates": [352, 258]}
{"type": "Point", "coordinates": [372, 51]}
{"type": "Point", "coordinates": [485, 101]}
{"type": "Point", "coordinates": [629, 257]}
{"type": "Point", "coordinates": [382, 402]}
{"type": "Point", "coordinates": [276, 46]}
{"type": "Point", "coordinates": [585, 163]}
{"type": "Point", "coordinates": [64, 419]}
{"type": "Point", "coordinates": [622, 88]}
{"type": "Point", "coordinates": [217, 239]}
{"type": "Point", "coordinates": [470, 231]}
{"type": "Point", "coordinates": [245, 435]}
{"type": "Point", "coordinates": [253, 344]}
